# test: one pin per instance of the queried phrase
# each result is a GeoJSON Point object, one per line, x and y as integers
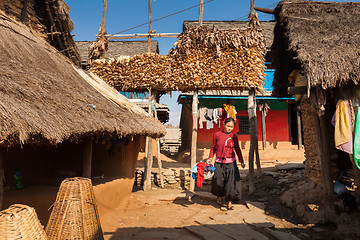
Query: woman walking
{"type": "Point", "coordinates": [226, 181]}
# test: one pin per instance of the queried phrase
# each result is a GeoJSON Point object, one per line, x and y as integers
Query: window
{"type": "Point", "coordinates": [244, 125]}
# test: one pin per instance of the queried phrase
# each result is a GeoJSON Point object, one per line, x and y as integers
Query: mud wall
{"type": "Point", "coordinates": [312, 160]}
{"type": "Point", "coordinates": [111, 193]}
{"type": "Point", "coordinates": [186, 125]}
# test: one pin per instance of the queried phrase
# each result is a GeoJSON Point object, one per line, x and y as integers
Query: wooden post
{"type": "Point", "coordinates": [252, 8]}
{"type": "Point", "coordinates": [201, 12]}
{"type": "Point", "coordinates": [1, 178]}
{"type": "Point", "coordinates": [263, 127]}
{"type": "Point", "coordinates": [298, 122]}
{"type": "Point", "coordinates": [24, 11]}
{"type": "Point", "coordinates": [149, 156]}
{"type": "Point", "coordinates": [323, 146]}
{"type": "Point", "coordinates": [150, 30]}
{"type": "Point", "coordinates": [252, 116]}
{"type": "Point", "coordinates": [325, 163]}
{"type": "Point", "coordinates": [158, 151]}
{"type": "Point", "coordinates": [88, 144]}
{"type": "Point", "coordinates": [103, 22]}
{"type": "Point", "coordinates": [194, 136]}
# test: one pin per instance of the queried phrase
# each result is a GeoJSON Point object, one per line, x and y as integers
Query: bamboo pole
{"type": "Point", "coordinates": [1, 178]}
{"type": "Point", "coordinates": [103, 22]}
{"type": "Point", "coordinates": [263, 128]}
{"type": "Point", "coordinates": [252, 118]}
{"type": "Point", "coordinates": [158, 152]}
{"type": "Point", "coordinates": [146, 36]}
{"type": "Point", "coordinates": [195, 114]}
{"type": "Point", "coordinates": [252, 8]}
{"type": "Point", "coordinates": [24, 11]}
{"type": "Point", "coordinates": [150, 30]}
{"type": "Point", "coordinates": [87, 160]}
{"type": "Point", "coordinates": [149, 156]}
{"type": "Point", "coordinates": [256, 147]}
{"type": "Point", "coordinates": [201, 12]}
{"type": "Point", "coordinates": [194, 136]}
{"type": "Point", "coordinates": [298, 122]}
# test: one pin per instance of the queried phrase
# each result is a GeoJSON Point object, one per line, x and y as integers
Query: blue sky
{"type": "Point", "coordinates": [122, 15]}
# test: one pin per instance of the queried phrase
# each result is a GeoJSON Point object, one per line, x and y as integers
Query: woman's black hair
{"type": "Point", "coordinates": [229, 120]}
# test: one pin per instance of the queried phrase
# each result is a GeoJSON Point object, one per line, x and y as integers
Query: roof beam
{"type": "Point", "coordinates": [265, 10]}
{"type": "Point", "coordinates": [142, 35]}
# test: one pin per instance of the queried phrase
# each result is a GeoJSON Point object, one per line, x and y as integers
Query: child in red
{"type": "Point", "coordinates": [226, 181]}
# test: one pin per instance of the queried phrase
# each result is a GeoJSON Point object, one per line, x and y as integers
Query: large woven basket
{"type": "Point", "coordinates": [75, 215]}
{"type": "Point", "coordinates": [20, 222]}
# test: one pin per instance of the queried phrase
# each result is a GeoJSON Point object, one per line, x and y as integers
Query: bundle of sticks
{"type": "Point", "coordinates": [201, 59]}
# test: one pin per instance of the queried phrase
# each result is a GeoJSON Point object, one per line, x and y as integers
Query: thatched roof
{"type": "Point", "coordinates": [42, 96]}
{"type": "Point", "coordinates": [268, 27]}
{"type": "Point", "coordinates": [118, 48]}
{"type": "Point", "coordinates": [51, 19]}
{"type": "Point", "coordinates": [202, 59]}
{"type": "Point", "coordinates": [320, 38]}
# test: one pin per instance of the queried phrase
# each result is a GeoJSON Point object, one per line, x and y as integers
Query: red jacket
{"type": "Point", "coordinates": [224, 145]}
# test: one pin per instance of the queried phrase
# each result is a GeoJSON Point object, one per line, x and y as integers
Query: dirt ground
{"type": "Point", "coordinates": [175, 213]}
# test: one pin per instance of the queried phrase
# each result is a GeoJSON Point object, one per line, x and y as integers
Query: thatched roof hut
{"type": "Point", "coordinates": [51, 19]}
{"type": "Point", "coordinates": [321, 39]}
{"type": "Point", "coordinates": [44, 98]}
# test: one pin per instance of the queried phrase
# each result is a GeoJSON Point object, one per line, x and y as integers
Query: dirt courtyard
{"type": "Point", "coordinates": [175, 213]}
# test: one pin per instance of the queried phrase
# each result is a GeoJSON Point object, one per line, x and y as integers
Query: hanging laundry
{"type": "Point", "coordinates": [202, 118]}
{"type": "Point", "coordinates": [357, 140]}
{"type": "Point", "coordinates": [343, 129]}
{"type": "Point", "coordinates": [230, 110]}
{"type": "Point", "coordinates": [209, 118]}
{"type": "Point", "coordinates": [219, 116]}
{"type": "Point", "coordinates": [263, 107]}
{"type": "Point", "coordinates": [215, 115]}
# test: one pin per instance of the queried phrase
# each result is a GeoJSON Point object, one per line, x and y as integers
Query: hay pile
{"type": "Point", "coordinates": [201, 59]}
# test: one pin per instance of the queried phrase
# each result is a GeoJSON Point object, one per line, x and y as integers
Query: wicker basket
{"type": "Point", "coordinates": [20, 222]}
{"type": "Point", "coordinates": [75, 214]}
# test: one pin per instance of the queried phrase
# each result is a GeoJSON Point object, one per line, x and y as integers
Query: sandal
{"type": "Point", "coordinates": [219, 200]}
{"type": "Point", "coordinates": [223, 209]}
{"type": "Point", "coordinates": [230, 208]}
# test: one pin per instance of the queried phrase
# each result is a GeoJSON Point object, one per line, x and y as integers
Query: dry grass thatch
{"type": "Point", "coordinates": [44, 97]}
{"type": "Point", "coordinates": [201, 59]}
{"type": "Point", "coordinates": [51, 19]}
{"type": "Point", "coordinates": [322, 39]}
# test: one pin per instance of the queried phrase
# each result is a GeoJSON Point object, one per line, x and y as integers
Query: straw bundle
{"type": "Point", "coordinates": [75, 214]}
{"type": "Point", "coordinates": [20, 222]}
{"type": "Point", "coordinates": [98, 48]}
{"type": "Point", "coordinates": [201, 59]}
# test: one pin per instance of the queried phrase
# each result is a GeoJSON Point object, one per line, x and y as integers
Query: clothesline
{"type": "Point", "coordinates": [213, 116]}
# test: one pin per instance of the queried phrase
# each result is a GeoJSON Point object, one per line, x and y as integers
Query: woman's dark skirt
{"type": "Point", "coordinates": [226, 181]}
